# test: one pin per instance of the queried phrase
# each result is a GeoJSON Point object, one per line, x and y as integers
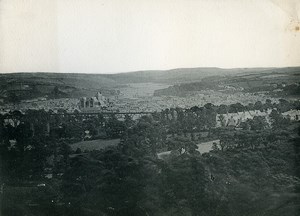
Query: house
{"type": "Point", "coordinates": [292, 115]}
{"type": "Point", "coordinates": [235, 119]}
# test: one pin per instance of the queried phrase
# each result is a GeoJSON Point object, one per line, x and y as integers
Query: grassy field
{"type": "Point", "coordinates": [203, 147]}
{"type": "Point", "coordinates": [94, 144]}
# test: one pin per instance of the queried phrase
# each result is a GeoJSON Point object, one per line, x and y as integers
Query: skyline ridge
{"type": "Point", "coordinates": [152, 70]}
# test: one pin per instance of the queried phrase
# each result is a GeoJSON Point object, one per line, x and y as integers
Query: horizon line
{"type": "Point", "coordinates": [145, 70]}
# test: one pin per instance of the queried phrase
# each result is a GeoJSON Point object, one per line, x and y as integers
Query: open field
{"type": "Point", "coordinates": [204, 147]}
{"type": "Point", "coordinates": [94, 144]}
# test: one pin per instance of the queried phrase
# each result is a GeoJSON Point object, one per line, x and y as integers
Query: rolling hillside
{"type": "Point", "coordinates": [32, 85]}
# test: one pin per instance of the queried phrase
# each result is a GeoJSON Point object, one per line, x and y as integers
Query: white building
{"type": "Point", "coordinates": [292, 115]}
{"type": "Point", "coordinates": [235, 119]}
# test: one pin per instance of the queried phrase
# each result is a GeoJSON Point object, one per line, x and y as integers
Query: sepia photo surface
{"type": "Point", "coordinates": [149, 108]}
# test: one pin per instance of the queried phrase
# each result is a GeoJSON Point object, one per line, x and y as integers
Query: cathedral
{"type": "Point", "coordinates": [98, 102]}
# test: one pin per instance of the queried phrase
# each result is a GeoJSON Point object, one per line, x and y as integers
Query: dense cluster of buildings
{"type": "Point", "coordinates": [66, 104]}
{"type": "Point", "coordinates": [200, 98]}
{"type": "Point", "coordinates": [84, 104]}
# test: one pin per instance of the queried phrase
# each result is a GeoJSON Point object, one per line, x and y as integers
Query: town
{"type": "Point", "coordinates": [111, 151]}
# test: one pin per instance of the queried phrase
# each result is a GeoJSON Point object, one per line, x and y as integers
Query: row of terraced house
{"type": "Point", "coordinates": [235, 119]}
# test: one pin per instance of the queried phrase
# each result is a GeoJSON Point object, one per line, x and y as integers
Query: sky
{"type": "Point", "coordinates": [110, 36]}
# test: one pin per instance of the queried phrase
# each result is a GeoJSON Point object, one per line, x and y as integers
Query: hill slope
{"type": "Point", "coordinates": [32, 85]}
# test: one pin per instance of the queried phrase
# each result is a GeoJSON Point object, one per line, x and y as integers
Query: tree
{"type": "Point", "coordinates": [237, 107]}
{"type": "Point", "coordinates": [184, 181]}
{"type": "Point", "coordinates": [278, 121]}
{"type": "Point", "coordinates": [108, 182]}
{"type": "Point", "coordinates": [268, 104]}
{"type": "Point", "coordinates": [258, 123]}
{"type": "Point", "coordinates": [144, 138]}
{"type": "Point", "coordinates": [226, 142]}
{"type": "Point", "coordinates": [222, 120]}
{"type": "Point", "coordinates": [258, 105]}
{"type": "Point", "coordinates": [128, 121]}
{"type": "Point", "coordinates": [284, 105]}
{"type": "Point", "coordinates": [222, 109]}
{"type": "Point", "coordinates": [215, 146]}
{"type": "Point", "coordinates": [114, 128]}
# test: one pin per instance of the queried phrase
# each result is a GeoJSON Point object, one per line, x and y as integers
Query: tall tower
{"type": "Point", "coordinates": [99, 96]}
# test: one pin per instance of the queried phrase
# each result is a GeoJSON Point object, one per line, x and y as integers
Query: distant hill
{"type": "Point", "coordinates": [29, 85]}
{"type": "Point", "coordinates": [248, 80]}
{"type": "Point", "coordinates": [178, 75]}
{"type": "Point", "coordinates": [32, 85]}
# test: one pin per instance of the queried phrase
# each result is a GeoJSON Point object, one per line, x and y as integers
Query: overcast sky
{"type": "Point", "coordinates": [108, 36]}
